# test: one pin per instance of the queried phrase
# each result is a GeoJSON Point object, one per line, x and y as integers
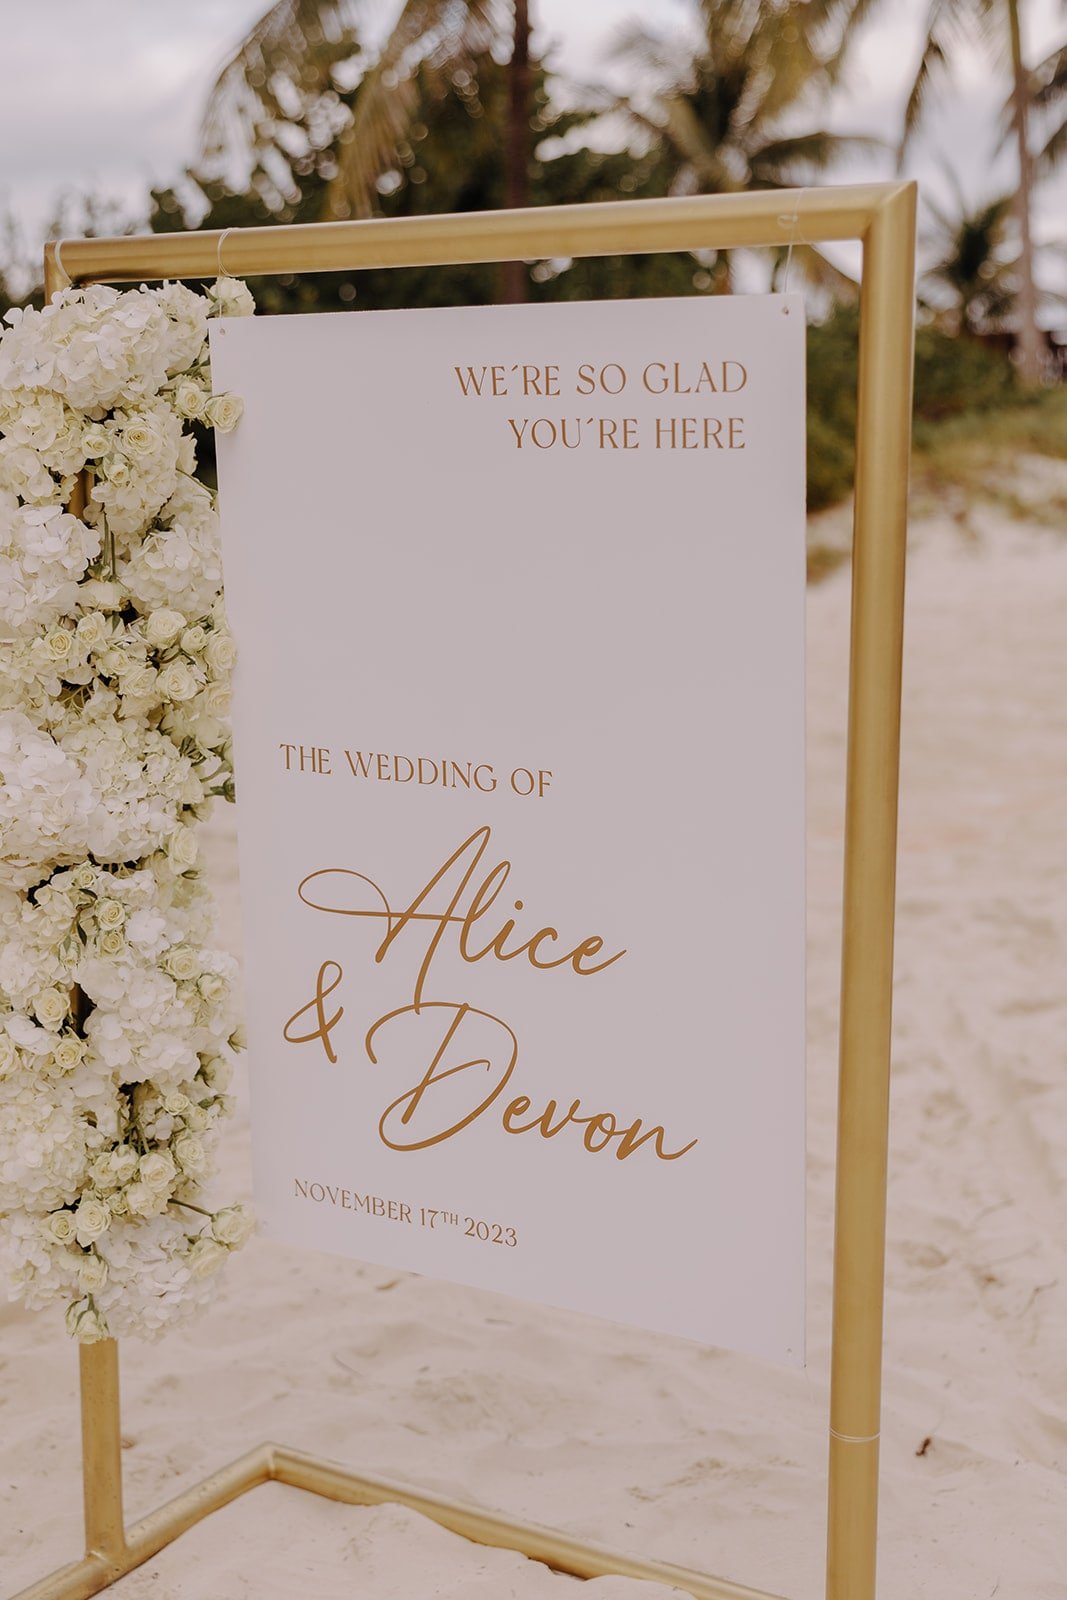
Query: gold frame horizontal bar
{"type": "Point", "coordinates": [272, 1463]}
{"type": "Point", "coordinates": [613, 227]}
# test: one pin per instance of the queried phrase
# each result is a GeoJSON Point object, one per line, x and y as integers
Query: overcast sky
{"type": "Point", "coordinates": [107, 96]}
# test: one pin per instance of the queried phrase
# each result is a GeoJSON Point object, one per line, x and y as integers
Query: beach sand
{"type": "Point", "coordinates": [688, 1454]}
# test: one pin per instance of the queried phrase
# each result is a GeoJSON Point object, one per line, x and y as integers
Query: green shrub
{"type": "Point", "coordinates": [954, 377]}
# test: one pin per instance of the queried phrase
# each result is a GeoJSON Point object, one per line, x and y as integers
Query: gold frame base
{"type": "Point", "coordinates": [272, 1463]}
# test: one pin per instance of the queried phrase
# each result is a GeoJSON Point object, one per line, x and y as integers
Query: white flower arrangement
{"type": "Point", "coordinates": [115, 1012]}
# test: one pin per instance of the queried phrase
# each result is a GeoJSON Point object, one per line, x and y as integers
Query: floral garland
{"type": "Point", "coordinates": [115, 659]}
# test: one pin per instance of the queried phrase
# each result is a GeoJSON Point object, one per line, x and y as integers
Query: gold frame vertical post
{"type": "Point", "coordinates": [105, 1533]}
{"type": "Point", "coordinates": [882, 216]}
{"type": "Point", "coordinates": [883, 440]}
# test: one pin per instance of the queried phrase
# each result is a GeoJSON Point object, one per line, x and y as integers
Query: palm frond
{"type": "Point", "coordinates": [1054, 149]}
{"type": "Point", "coordinates": [431, 41]}
{"type": "Point", "coordinates": [291, 51]}
{"type": "Point", "coordinates": [788, 159]}
{"type": "Point", "coordinates": [942, 22]}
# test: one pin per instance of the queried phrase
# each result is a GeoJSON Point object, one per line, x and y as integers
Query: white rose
{"type": "Point", "coordinates": [68, 1052]}
{"type": "Point", "coordinates": [232, 1226]}
{"type": "Point", "coordinates": [102, 1172]}
{"type": "Point", "coordinates": [111, 942]}
{"type": "Point", "coordinates": [9, 1056]}
{"type": "Point", "coordinates": [231, 298]}
{"type": "Point", "coordinates": [110, 914]}
{"type": "Point", "coordinates": [224, 411]}
{"type": "Point", "coordinates": [182, 962]}
{"type": "Point", "coordinates": [142, 1202]}
{"type": "Point", "coordinates": [85, 1323]}
{"type": "Point", "coordinates": [51, 1007]}
{"type": "Point", "coordinates": [141, 439]}
{"type": "Point", "coordinates": [92, 1274]}
{"type": "Point", "coordinates": [59, 644]}
{"type": "Point", "coordinates": [211, 985]}
{"type": "Point", "coordinates": [189, 398]}
{"type": "Point", "coordinates": [96, 442]}
{"type": "Point", "coordinates": [92, 1218]}
{"type": "Point", "coordinates": [61, 1227]}
{"type": "Point", "coordinates": [221, 653]}
{"type": "Point", "coordinates": [124, 1162]}
{"type": "Point", "coordinates": [182, 849]}
{"type": "Point", "coordinates": [205, 1257]}
{"type": "Point", "coordinates": [116, 469]}
{"type": "Point", "coordinates": [193, 640]}
{"type": "Point", "coordinates": [92, 629]}
{"type": "Point", "coordinates": [157, 1171]}
{"type": "Point", "coordinates": [176, 682]}
{"type": "Point", "coordinates": [175, 1104]}
{"type": "Point", "coordinates": [163, 626]}
{"type": "Point", "coordinates": [84, 876]}
{"type": "Point", "coordinates": [139, 682]}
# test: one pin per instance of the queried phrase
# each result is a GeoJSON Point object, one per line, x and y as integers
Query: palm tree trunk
{"type": "Point", "coordinates": [1029, 338]}
{"type": "Point", "coordinates": [513, 280]}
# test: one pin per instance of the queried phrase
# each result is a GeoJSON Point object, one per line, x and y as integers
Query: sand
{"type": "Point", "coordinates": [688, 1454]}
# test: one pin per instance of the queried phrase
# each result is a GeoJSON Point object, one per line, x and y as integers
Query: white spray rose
{"type": "Point", "coordinates": [224, 411]}
{"type": "Point", "coordinates": [205, 1257]}
{"type": "Point", "coordinates": [59, 644]}
{"type": "Point", "coordinates": [231, 298]}
{"type": "Point", "coordinates": [221, 653]}
{"type": "Point", "coordinates": [92, 1274]}
{"type": "Point", "coordinates": [124, 1161]}
{"type": "Point", "coordinates": [110, 913]}
{"type": "Point", "coordinates": [85, 1324]}
{"type": "Point", "coordinates": [92, 629]}
{"type": "Point", "coordinates": [181, 962]}
{"type": "Point", "coordinates": [51, 1008]}
{"type": "Point", "coordinates": [232, 1225]}
{"type": "Point", "coordinates": [176, 682]}
{"type": "Point", "coordinates": [189, 398]}
{"type": "Point", "coordinates": [96, 441]}
{"type": "Point", "coordinates": [62, 1227]}
{"type": "Point", "coordinates": [68, 1052]}
{"type": "Point", "coordinates": [141, 438]}
{"type": "Point", "coordinates": [182, 849]}
{"type": "Point", "coordinates": [192, 1157]}
{"type": "Point", "coordinates": [157, 1171]}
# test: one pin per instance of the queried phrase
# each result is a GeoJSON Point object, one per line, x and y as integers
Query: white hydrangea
{"type": "Point", "coordinates": [95, 347]}
{"type": "Point", "coordinates": [116, 1011]}
{"type": "Point", "coordinates": [188, 316]}
{"type": "Point", "coordinates": [139, 782]}
{"type": "Point", "coordinates": [46, 802]}
{"type": "Point", "coordinates": [45, 1143]}
{"type": "Point", "coordinates": [178, 565]}
{"type": "Point", "coordinates": [44, 552]}
{"type": "Point", "coordinates": [157, 1255]}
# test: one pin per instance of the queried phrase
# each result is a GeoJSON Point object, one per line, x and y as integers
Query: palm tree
{"type": "Point", "coordinates": [304, 91]}
{"type": "Point", "coordinates": [996, 24]}
{"type": "Point", "coordinates": [726, 114]}
{"type": "Point", "coordinates": [972, 286]}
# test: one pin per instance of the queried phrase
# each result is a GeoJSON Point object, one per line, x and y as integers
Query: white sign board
{"type": "Point", "coordinates": [518, 598]}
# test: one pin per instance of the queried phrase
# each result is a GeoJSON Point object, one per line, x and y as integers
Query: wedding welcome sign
{"type": "Point", "coordinates": [518, 597]}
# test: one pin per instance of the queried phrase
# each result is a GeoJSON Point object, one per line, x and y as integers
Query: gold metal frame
{"type": "Point", "coordinates": [882, 216]}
